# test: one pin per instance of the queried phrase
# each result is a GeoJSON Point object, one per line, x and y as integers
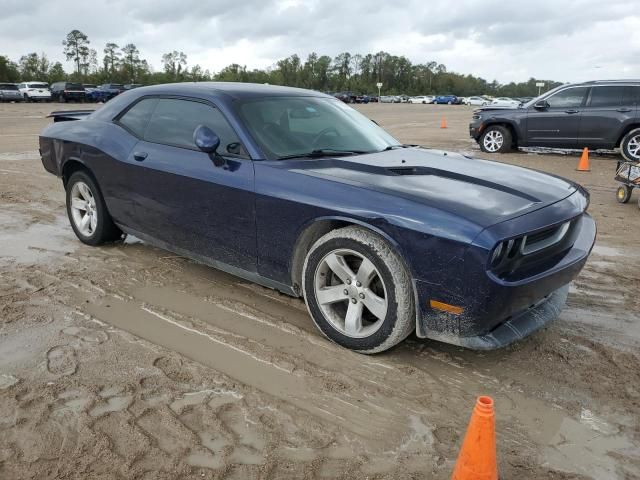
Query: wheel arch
{"type": "Point", "coordinates": [506, 124]}
{"type": "Point", "coordinates": [625, 131]}
{"type": "Point", "coordinates": [72, 165]}
{"type": "Point", "coordinates": [316, 228]}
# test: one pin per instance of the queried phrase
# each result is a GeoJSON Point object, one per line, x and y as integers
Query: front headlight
{"type": "Point", "coordinates": [476, 117]}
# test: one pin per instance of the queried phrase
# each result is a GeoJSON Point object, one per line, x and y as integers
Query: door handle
{"type": "Point", "coordinates": [623, 110]}
{"type": "Point", "coordinates": [140, 156]}
{"type": "Point", "coordinates": [571, 111]}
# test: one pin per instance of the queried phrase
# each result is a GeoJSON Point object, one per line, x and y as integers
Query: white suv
{"type": "Point", "coordinates": [35, 91]}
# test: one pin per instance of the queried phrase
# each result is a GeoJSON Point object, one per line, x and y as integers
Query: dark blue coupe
{"type": "Point", "coordinates": [297, 191]}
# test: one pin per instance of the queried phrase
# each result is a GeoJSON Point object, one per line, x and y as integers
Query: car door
{"type": "Point", "coordinates": [608, 110]}
{"type": "Point", "coordinates": [183, 200]}
{"type": "Point", "coordinates": [557, 124]}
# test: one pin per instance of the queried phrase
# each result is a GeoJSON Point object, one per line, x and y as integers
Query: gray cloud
{"type": "Point", "coordinates": [496, 39]}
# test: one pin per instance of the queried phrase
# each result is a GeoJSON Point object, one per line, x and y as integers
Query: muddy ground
{"type": "Point", "coordinates": [127, 361]}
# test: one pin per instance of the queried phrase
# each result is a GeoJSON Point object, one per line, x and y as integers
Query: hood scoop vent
{"type": "Point", "coordinates": [409, 171]}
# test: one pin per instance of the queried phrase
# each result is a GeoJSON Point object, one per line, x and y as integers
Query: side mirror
{"type": "Point", "coordinates": [207, 141]}
{"type": "Point", "coordinates": [541, 105]}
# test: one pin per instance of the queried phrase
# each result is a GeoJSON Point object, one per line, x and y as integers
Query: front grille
{"type": "Point", "coordinates": [535, 252]}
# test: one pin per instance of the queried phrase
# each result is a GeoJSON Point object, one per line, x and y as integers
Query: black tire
{"type": "Point", "coordinates": [106, 230]}
{"type": "Point", "coordinates": [26, 98]}
{"type": "Point", "coordinates": [399, 320]}
{"type": "Point", "coordinates": [62, 99]}
{"type": "Point", "coordinates": [507, 140]}
{"type": "Point", "coordinates": [630, 138]}
{"type": "Point", "coordinates": [623, 194]}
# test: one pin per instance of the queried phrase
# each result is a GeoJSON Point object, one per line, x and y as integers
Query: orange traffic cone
{"type": "Point", "coordinates": [583, 164]}
{"type": "Point", "coordinates": [477, 458]}
{"type": "Point", "coordinates": [443, 123]}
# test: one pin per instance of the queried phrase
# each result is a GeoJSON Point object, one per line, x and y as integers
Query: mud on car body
{"type": "Point", "coordinates": [297, 191]}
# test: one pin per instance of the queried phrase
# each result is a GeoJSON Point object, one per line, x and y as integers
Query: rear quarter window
{"type": "Point", "coordinates": [609, 96]}
{"type": "Point", "coordinates": [136, 118]}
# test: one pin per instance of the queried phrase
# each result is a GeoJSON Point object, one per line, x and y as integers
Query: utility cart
{"type": "Point", "coordinates": [628, 176]}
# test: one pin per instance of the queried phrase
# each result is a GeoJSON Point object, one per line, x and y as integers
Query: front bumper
{"type": "Point", "coordinates": [515, 328]}
{"type": "Point", "coordinates": [498, 312]}
{"type": "Point", "coordinates": [475, 129]}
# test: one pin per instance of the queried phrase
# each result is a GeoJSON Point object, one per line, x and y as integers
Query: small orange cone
{"type": "Point", "coordinates": [443, 123]}
{"type": "Point", "coordinates": [583, 164]}
{"type": "Point", "coordinates": [477, 458]}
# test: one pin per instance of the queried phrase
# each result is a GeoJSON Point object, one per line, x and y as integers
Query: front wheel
{"type": "Point", "coordinates": [358, 290]}
{"type": "Point", "coordinates": [630, 146]}
{"type": "Point", "coordinates": [495, 139]}
{"type": "Point", "coordinates": [87, 211]}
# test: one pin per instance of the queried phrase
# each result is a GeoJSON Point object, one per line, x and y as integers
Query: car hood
{"type": "Point", "coordinates": [481, 191]}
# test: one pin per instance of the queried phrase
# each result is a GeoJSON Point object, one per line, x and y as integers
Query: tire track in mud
{"type": "Point", "coordinates": [288, 363]}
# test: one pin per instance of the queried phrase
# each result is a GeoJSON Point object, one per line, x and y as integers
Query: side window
{"type": "Point", "coordinates": [174, 121]}
{"type": "Point", "coordinates": [569, 98]}
{"type": "Point", "coordinates": [137, 117]}
{"type": "Point", "coordinates": [632, 95]}
{"type": "Point", "coordinates": [610, 96]}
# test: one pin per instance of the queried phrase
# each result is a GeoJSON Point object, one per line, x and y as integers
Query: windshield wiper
{"type": "Point", "coordinates": [324, 152]}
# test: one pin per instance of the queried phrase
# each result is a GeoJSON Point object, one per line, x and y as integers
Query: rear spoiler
{"type": "Point", "coordinates": [69, 115]}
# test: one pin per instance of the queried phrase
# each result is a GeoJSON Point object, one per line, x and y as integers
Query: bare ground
{"type": "Point", "coordinates": [129, 362]}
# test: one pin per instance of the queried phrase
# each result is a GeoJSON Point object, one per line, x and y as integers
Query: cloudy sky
{"type": "Point", "coordinates": [496, 39]}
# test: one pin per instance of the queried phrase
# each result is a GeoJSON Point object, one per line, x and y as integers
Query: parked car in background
{"type": "Point", "coordinates": [9, 92]}
{"type": "Point", "coordinates": [419, 99]}
{"type": "Point", "coordinates": [505, 102]}
{"type": "Point", "coordinates": [477, 101]}
{"type": "Point", "coordinates": [597, 115]}
{"type": "Point", "coordinates": [346, 97]}
{"type": "Point", "coordinates": [35, 91]}
{"type": "Point", "coordinates": [362, 99]}
{"type": "Point", "coordinates": [373, 99]}
{"type": "Point", "coordinates": [386, 99]}
{"type": "Point", "coordinates": [131, 86]}
{"type": "Point", "coordinates": [104, 93]}
{"type": "Point", "coordinates": [446, 100]}
{"type": "Point", "coordinates": [68, 92]}
{"type": "Point", "coordinates": [296, 191]}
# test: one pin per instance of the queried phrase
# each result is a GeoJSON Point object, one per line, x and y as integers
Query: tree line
{"type": "Point", "coordinates": [345, 72]}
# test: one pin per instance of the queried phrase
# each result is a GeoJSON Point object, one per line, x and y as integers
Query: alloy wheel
{"type": "Point", "coordinates": [83, 209]}
{"type": "Point", "coordinates": [493, 141]}
{"type": "Point", "coordinates": [351, 293]}
{"type": "Point", "coordinates": [633, 147]}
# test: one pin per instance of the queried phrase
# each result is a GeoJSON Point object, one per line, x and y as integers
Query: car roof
{"type": "Point", "coordinates": [236, 90]}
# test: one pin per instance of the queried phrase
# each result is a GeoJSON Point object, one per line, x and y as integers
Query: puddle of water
{"type": "Point", "coordinates": [7, 381]}
{"type": "Point", "coordinates": [205, 460]}
{"type": "Point", "coordinates": [113, 404]}
{"type": "Point", "coordinates": [36, 242]}
{"type": "Point", "coordinates": [609, 251]}
{"type": "Point", "coordinates": [17, 156]}
{"type": "Point", "coordinates": [249, 367]}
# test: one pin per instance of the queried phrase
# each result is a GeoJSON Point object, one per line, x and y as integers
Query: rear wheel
{"type": "Point", "coordinates": [358, 290]}
{"type": "Point", "coordinates": [623, 194]}
{"type": "Point", "coordinates": [630, 146]}
{"type": "Point", "coordinates": [495, 139]}
{"type": "Point", "coordinates": [87, 211]}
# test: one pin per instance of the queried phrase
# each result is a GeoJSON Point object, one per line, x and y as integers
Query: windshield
{"type": "Point", "coordinates": [291, 126]}
{"type": "Point", "coordinates": [37, 85]}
